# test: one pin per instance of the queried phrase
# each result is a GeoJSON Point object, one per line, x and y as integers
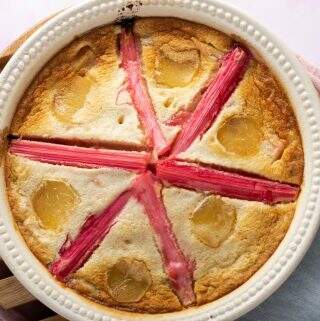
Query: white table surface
{"type": "Point", "coordinates": [297, 22]}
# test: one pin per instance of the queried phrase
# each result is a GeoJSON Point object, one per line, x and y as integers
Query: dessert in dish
{"type": "Point", "coordinates": [154, 165]}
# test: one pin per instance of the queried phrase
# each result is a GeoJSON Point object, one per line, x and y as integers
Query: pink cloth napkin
{"type": "Point", "coordinates": [313, 71]}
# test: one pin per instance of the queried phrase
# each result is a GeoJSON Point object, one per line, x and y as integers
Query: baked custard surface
{"type": "Point", "coordinates": [155, 165]}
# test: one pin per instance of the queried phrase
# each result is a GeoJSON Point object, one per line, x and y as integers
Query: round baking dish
{"type": "Point", "coordinates": [59, 31]}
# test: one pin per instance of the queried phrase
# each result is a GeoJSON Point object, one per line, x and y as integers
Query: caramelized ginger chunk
{"type": "Point", "coordinates": [84, 58]}
{"type": "Point", "coordinates": [53, 202]}
{"type": "Point", "coordinates": [71, 97]}
{"type": "Point", "coordinates": [128, 280]}
{"type": "Point", "coordinates": [240, 135]}
{"type": "Point", "coordinates": [176, 68]}
{"type": "Point", "coordinates": [213, 221]}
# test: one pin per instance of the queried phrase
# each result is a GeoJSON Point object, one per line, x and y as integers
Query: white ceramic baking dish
{"type": "Point", "coordinates": [59, 31]}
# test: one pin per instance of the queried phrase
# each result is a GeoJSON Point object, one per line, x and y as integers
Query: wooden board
{"type": "Point", "coordinates": [13, 294]}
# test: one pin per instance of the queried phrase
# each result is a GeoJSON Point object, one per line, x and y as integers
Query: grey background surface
{"type": "Point", "coordinates": [297, 23]}
{"type": "Point", "coordinates": [299, 297]}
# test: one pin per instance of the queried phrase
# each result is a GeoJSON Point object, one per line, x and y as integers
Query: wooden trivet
{"type": "Point", "coordinates": [16, 303]}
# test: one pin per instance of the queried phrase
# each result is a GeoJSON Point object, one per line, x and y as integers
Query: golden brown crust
{"type": "Point", "coordinates": [261, 231]}
{"type": "Point", "coordinates": [257, 230]}
{"type": "Point", "coordinates": [92, 284]}
{"type": "Point", "coordinates": [266, 99]}
{"type": "Point", "coordinates": [4, 144]}
{"type": "Point", "coordinates": [151, 26]}
{"type": "Point", "coordinates": [79, 95]}
{"type": "Point", "coordinates": [30, 112]}
{"type": "Point", "coordinates": [260, 99]}
{"type": "Point", "coordinates": [13, 174]}
{"type": "Point", "coordinates": [170, 45]}
{"type": "Point", "coordinates": [40, 250]}
{"type": "Point", "coordinates": [257, 234]}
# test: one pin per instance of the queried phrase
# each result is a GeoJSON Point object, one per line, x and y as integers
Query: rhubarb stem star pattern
{"type": "Point", "coordinates": [160, 165]}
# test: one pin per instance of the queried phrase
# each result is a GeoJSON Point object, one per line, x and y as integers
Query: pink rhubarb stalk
{"type": "Point", "coordinates": [129, 49]}
{"type": "Point", "coordinates": [225, 183]}
{"type": "Point", "coordinates": [178, 119]}
{"type": "Point", "coordinates": [178, 268]}
{"type": "Point", "coordinates": [218, 92]}
{"type": "Point", "coordinates": [75, 253]}
{"type": "Point", "coordinates": [79, 156]}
